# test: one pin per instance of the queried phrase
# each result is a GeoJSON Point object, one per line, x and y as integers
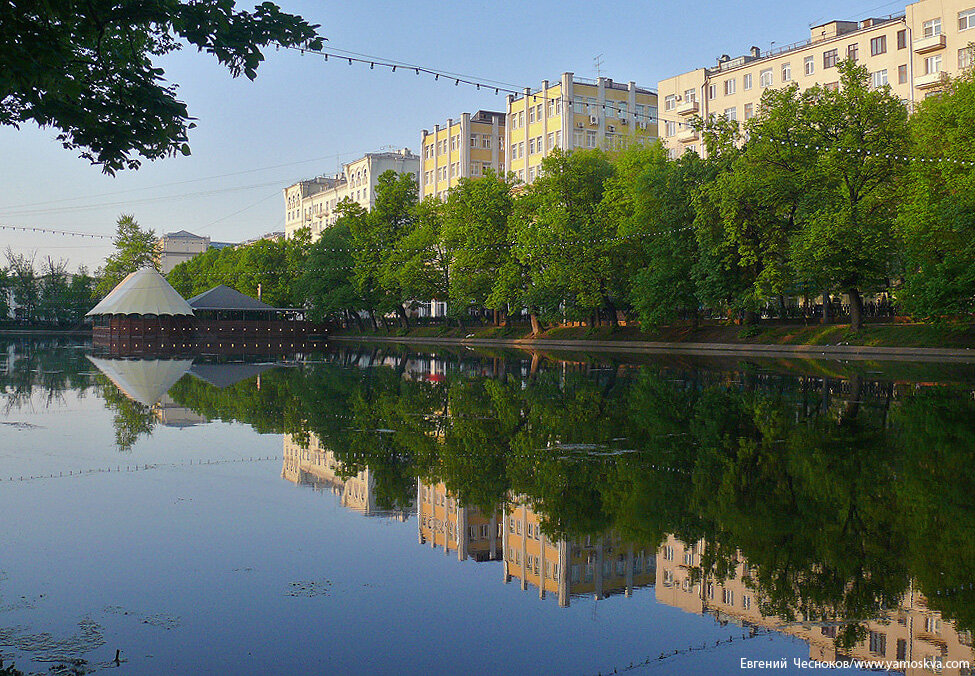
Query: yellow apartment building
{"type": "Point", "coordinates": [311, 203]}
{"type": "Point", "coordinates": [575, 113]}
{"type": "Point", "coordinates": [911, 52]}
{"type": "Point", "coordinates": [911, 632]}
{"type": "Point", "coordinates": [598, 566]}
{"type": "Point", "coordinates": [464, 148]}
{"type": "Point", "coordinates": [443, 522]}
{"type": "Point", "coordinates": [315, 466]}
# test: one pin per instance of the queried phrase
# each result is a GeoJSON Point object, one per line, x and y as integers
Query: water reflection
{"type": "Point", "coordinates": [827, 501]}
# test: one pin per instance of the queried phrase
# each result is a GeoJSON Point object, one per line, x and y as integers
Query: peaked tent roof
{"type": "Point", "coordinates": [143, 380]}
{"type": "Point", "coordinates": [143, 292]}
{"type": "Point", "coordinates": [224, 298]}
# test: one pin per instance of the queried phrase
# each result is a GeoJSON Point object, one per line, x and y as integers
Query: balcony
{"type": "Point", "coordinates": [687, 135]}
{"type": "Point", "coordinates": [930, 80]}
{"type": "Point", "coordinates": [931, 44]}
{"type": "Point", "coordinates": [688, 108]}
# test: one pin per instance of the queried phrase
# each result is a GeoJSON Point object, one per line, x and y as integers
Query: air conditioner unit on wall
{"type": "Point", "coordinates": [580, 125]}
{"type": "Point", "coordinates": [593, 119]}
{"type": "Point", "coordinates": [624, 121]}
{"type": "Point", "coordinates": [611, 129]}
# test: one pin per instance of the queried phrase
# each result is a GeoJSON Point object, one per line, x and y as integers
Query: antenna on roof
{"type": "Point", "coordinates": [597, 65]}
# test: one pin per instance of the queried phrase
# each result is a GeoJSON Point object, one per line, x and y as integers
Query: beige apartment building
{"type": "Point", "coordinates": [464, 148]}
{"type": "Point", "coordinates": [575, 113]}
{"type": "Point", "coordinates": [311, 203]}
{"type": "Point", "coordinates": [174, 248]}
{"type": "Point", "coordinates": [443, 522]}
{"type": "Point", "coordinates": [911, 632]}
{"type": "Point", "coordinates": [599, 566]}
{"type": "Point", "coordinates": [912, 52]}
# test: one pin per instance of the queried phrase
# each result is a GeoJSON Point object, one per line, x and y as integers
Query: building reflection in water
{"type": "Point", "coordinates": [911, 632]}
{"type": "Point", "coordinates": [443, 522]}
{"type": "Point", "coordinates": [599, 566]}
{"type": "Point", "coordinates": [317, 467]}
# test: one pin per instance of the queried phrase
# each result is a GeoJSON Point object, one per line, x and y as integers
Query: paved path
{"type": "Point", "coordinates": [840, 352]}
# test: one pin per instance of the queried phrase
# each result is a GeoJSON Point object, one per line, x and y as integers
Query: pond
{"type": "Point", "coordinates": [393, 509]}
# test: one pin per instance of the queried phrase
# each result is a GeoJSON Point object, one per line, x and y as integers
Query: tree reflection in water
{"type": "Point", "coordinates": [828, 501]}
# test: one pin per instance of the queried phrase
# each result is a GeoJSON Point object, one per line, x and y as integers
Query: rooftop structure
{"type": "Point", "coordinates": [463, 148]}
{"type": "Point", "coordinates": [143, 292]}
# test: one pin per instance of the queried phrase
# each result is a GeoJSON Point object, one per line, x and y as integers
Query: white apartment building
{"type": "Point", "coordinates": [311, 203]}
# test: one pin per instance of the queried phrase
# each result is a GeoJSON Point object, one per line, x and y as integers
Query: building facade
{"type": "Point", "coordinates": [463, 148]}
{"type": "Point", "coordinates": [912, 52]}
{"type": "Point", "coordinates": [442, 521]}
{"type": "Point", "coordinates": [174, 248]}
{"type": "Point", "coordinates": [311, 203]}
{"type": "Point", "coordinates": [575, 113]}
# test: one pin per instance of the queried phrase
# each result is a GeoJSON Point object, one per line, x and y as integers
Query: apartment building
{"type": "Point", "coordinates": [174, 248]}
{"type": "Point", "coordinates": [443, 522]}
{"type": "Point", "coordinates": [311, 203]}
{"type": "Point", "coordinates": [464, 148]}
{"type": "Point", "coordinates": [910, 632]}
{"type": "Point", "coordinates": [575, 113]}
{"type": "Point", "coordinates": [599, 566]}
{"type": "Point", "coordinates": [911, 52]}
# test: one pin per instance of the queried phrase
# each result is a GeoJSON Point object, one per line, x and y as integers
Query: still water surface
{"type": "Point", "coordinates": [384, 510]}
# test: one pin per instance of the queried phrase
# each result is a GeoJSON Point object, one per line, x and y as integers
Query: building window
{"type": "Point", "coordinates": [609, 109]}
{"type": "Point", "coordinates": [932, 65]}
{"type": "Point", "coordinates": [551, 139]}
{"type": "Point", "coordinates": [669, 552]}
{"type": "Point", "coordinates": [809, 65]}
{"type": "Point", "coordinates": [902, 39]}
{"type": "Point", "coordinates": [729, 87]}
{"type": "Point", "coordinates": [829, 58]}
{"type": "Point", "coordinates": [486, 141]}
{"type": "Point", "coordinates": [731, 113]}
{"type": "Point", "coordinates": [878, 643]}
{"type": "Point", "coordinates": [579, 106]}
{"type": "Point", "coordinates": [765, 78]}
{"type": "Point", "coordinates": [851, 52]}
{"type": "Point", "coordinates": [578, 137]}
{"type": "Point", "coordinates": [932, 27]}
{"type": "Point", "coordinates": [786, 72]}
{"type": "Point", "coordinates": [966, 19]}
{"type": "Point", "coordinates": [531, 114]}
{"type": "Point", "coordinates": [879, 78]}
{"type": "Point", "coordinates": [902, 74]}
{"type": "Point", "coordinates": [473, 140]}
{"type": "Point", "coordinates": [624, 110]}
{"type": "Point", "coordinates": [590, 138]}
{"type": "Point", "coordinates": [521, 118]}
{"type": "Point", "coordinates": [749, 111]}
{"type": "Point", "coordinates": [746, 602]}
{"type": "Point", "coordinates": [746, 81]}
{"type": "Point", "coordinates": [558, 139]}
{"type": "Point", "coordinates": [670, 102]}
{"type": "Point", "coordinates": [691, 149]}
{"type": "Point", "coordinates": [965, 58]}
{"type": "Point", "coordinates": [878, 45]}
{"type": "Point", "coordinates": [670, 128]}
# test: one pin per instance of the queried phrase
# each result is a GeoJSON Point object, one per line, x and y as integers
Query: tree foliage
{"type": "Point", "coordinates": [135, 248]}
{"type": "Point", "coordinates": [88, 69]}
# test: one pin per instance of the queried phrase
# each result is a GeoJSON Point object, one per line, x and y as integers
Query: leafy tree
{"type": "Point", "coordinates": [421, 259]}
{"type": "Point", "coordinates": [476, 231]}
{"type": "Point", "coordinates": [87, 69]}
{"type": "Point", "coordinates": [24, 284]}
{"type": "Point", "coordinates": [937, 219]}
{"type": "Point", "coordinates": [135, 248]}
{"type": "Point", "coordinates": [746, 215]}
{"type": "Point", "coordinates": [6, 284]}
{"type": "Point", "coordinates": [568, 255]}
{"type": "Point", "coordinates": [326, 282]}
{"type": "Point", "coordinates": [650, 200]}
{"type": "Point", "coordinates": [375, 236]}
{"type": "Point", "coordinates": [847, 237]}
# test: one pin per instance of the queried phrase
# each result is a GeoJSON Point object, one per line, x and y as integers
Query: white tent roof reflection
{"type": "Point", "coordinates": [143, 380]}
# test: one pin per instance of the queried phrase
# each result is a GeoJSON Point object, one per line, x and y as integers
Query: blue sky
{"type": "Point", "coordinates": [302, 116]}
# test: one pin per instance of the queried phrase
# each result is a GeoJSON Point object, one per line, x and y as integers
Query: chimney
{"type": "Point", "coordinates": [756, 52]}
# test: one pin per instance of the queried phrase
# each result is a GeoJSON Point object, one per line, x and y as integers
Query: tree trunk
{"type": "Point", "coordinates": [495, 318]}
{"type": "Point", "coordinates": [356, 318]}
{"type": "Point", "coordinates": [536, 326]}
{"type": "Point", "coordinates": [372, 318]}
{"type": "Point", "coordinates": [856, 310]}
{"type": "Point", "coordinates": [825, 318]}
{"type": "Point", "coordinates": [614, 319]}
{"type": "Point", "coordinates": [402, 313]}
{"type": "Point", "coordinates": [750, 318]}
